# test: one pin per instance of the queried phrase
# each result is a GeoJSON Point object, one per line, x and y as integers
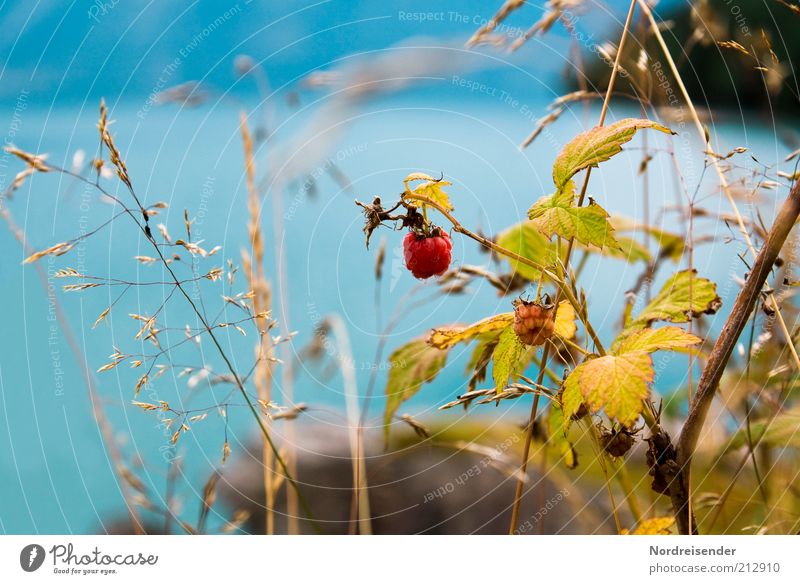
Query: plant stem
{"type": "Point", "coordinates": [488, 243]}
{"type": "Point", "coordinates": [723, 348]}
{"type": "Point", "coordinates": [545, 352]}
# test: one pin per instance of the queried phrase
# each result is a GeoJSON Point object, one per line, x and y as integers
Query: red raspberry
{"type": "Point", "coordinates": [534, 323]}
{"type": "Point", "coordinates": [427, 256]}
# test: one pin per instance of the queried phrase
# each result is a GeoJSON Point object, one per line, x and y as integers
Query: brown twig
{"type": "Point", "coordinates": [723, 348]}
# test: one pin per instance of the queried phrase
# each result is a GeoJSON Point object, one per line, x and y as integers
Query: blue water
{"type": "Point", "coordinates": [56, 474]}
{"type": "Point", "coordinates": [57, 61]}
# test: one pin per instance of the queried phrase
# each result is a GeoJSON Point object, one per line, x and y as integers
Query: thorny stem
{"type": "Point", "coordinates": [545, 352]}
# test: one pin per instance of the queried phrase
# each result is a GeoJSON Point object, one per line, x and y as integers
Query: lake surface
{"type": "Point", "coordinates": [56, 475]}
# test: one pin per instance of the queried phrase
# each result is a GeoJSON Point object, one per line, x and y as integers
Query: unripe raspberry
{"type": "Point", "coordinates": [427, 255]}
{"type": "Point", "coordinates": [534, 323]}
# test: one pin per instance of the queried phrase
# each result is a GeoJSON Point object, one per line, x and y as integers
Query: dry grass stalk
{"type": "Point", "coordinates": [262, 299]}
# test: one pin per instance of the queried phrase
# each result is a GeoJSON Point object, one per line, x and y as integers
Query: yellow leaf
{"type": "Point", "coordinates": [654, 526]}
{"type": "Point", "coordinates": [446, 337]}
{"type": "Point", "coordinates": [651, 340]}
{"type": "Point", "coordinates": [430, 188]}
{"type": "Point", "coordinates": [565, 320]}
{"type": "Point", "coordinates": [616, 383]}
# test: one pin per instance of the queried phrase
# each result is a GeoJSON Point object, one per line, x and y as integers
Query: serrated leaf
{"type": "Point", "coordinates": [507, 358]}
{"type": "Point", "coordinates": [652, 340]}
{"type": "Point", "coordinates": [673, 304]}
{"type": "Point", "coordinates": [653, 526]}
{"type": "Point", "coordinates": [557, 215]}
{"type": "Point", "coordinates": [557, 437]}
{"type": "Point", "coordinates": [782, 431]}
{"type": "Point", "coordinates": [596, 146]}
{"type": "Point", "coordinates": [411, 366]}
{"type": "Point", "coordinates": [620, 381]}
{"type": "Point", "coordinates": [565, 326]}
{"type": "Point", "coordinates": [525, 239]}
{"type": "Point", "coordinates": [446, 337]}
{"type": "Point", "coordinates": [616, 383]}
{"type": "Point", "coordinates": [431, 188]}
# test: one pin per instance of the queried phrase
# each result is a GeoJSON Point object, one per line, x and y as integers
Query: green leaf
{"type": "Point", "coordinates": [557, 437]}
{"type": "Point", "coordinates": [411, 366]}
{"type": "Point", "coordinates": [629, 249]}
{"type": "Point", "coordinates": [671, 245]}
{"type": "Point", "coordinates": [783, 431]}
{"type": "Point", "coordinates": [673, 304]}
{"type": "Point", "coordinates": [652, 340]}
{"type": "Point", "coordinates": [565, 326]}
{"type": "Point", "coordinates": [525, 239]}
{"type": "Point", "coordinates": [507, 359]}
{"type": "Point", "coordinates": [596, 146]}
{"type": "Point", "coordinates": [557, 215]}
{"type": "Point", "coordinates": [431, 188]}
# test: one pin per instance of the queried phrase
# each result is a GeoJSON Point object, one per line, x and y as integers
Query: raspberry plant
{"type": "Point", "coordinates": [611, 381]}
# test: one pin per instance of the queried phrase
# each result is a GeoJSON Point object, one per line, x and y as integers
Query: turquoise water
{"type": "Point", "coordinates": [57, 478]}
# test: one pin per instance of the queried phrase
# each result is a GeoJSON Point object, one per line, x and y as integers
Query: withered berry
{"type": "Point", "coordinates": [617, 442]}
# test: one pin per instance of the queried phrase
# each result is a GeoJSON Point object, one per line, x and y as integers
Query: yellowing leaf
{"type": "Point", "coordinates": [557, 437]}
{"type": "Point", "coordinates": [565, 326]}
{"type": "Point", "coordinates": [619, 382]}
{"type": "Point", "coordinates": [651, 340]}
{"type": "Point", "coordinates": [557, 215]}
{"type": "Point", "coordinates": [616, 383]}
{"type": "Point", "coordinates": [446, 337]}
{"type": "Point", "coordinates": [507, 358]}
{"type": "Point", "coordinates": [673, 301]}
{"type": "Point", "coordinates": [525, 240]}
{"type": "Point", "coordinates": [596, 146]}
{"type": "Point", "coordinates": [654, 526]}
{"type": "Point", "coordinates": [430, 188]}
{"type": "Point", "coordinates": [411, 366]}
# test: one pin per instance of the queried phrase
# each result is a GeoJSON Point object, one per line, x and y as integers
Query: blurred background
{"type": "Point", "coordinates": [345, 99]}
